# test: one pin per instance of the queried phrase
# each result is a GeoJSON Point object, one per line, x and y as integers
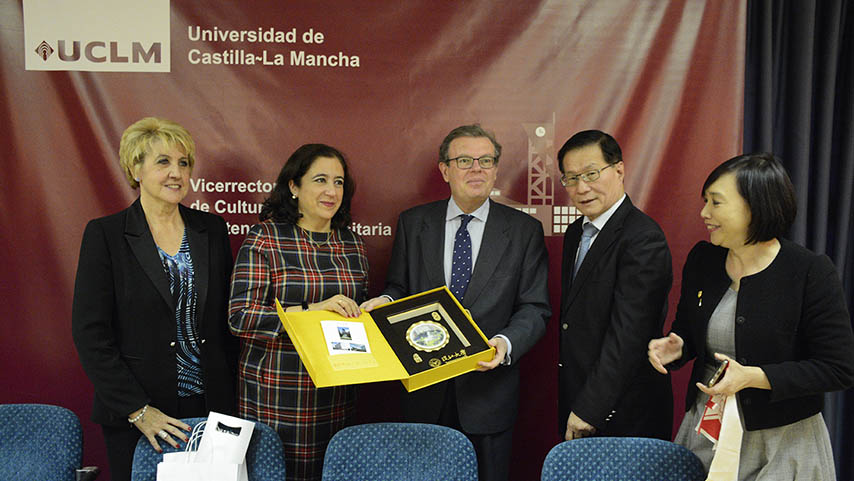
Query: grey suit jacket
{"type": "Point", "coordinates": [507, 294]}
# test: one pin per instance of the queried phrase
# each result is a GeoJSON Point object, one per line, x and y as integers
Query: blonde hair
{"type": "Point", "coordinates": [138, 138]}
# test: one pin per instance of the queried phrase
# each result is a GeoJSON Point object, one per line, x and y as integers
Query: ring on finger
{"type": "Point", "coordinates": [162, 433]}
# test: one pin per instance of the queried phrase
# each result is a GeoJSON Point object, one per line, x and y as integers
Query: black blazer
{"type": "Point", "coordinates": [791, 321]}
{"type": "Point", "coordinates": [123, 316]}
{"type": "Point", "coordinates": [507, 294]}
{"type": "Point", "coordinates": [615, 305]}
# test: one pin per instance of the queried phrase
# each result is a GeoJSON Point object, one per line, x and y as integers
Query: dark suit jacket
{"type": "Point", "coordinates": [791, 321]}
{"type": "Point", "coordinates": [123, 316]}
{"type": "Point", "coordinates": [507, 294]}
{"type": "Point", "coordinates": [615, 305]}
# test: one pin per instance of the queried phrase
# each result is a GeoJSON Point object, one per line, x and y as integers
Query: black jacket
{"type": "Point", "coordinates": [123, 316]}
{"type": "Point", "coordinates": [615, 304]}
{"type": "Point", "coordinates": [791, 321]}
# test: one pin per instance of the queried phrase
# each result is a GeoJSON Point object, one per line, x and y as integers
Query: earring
{"type": "Point", "coordinates": [294, 196]}
{"type": "Point", "coordinates": [136, 179]}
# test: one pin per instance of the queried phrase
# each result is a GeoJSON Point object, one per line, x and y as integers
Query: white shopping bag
{"type": "Point", "coordinates": [225, 440]}
{"type": "Point", "coordinates": [721, 423]}
{"type": "Point", "coordinates": [179, 469]}
{"type": "Point", "coordinates": [220, 455]}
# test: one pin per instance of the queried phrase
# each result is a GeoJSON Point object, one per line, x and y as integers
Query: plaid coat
{"type": "Point", "coordinates": [283, 261]}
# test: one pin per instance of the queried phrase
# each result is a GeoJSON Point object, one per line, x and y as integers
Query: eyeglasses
{"type": "Point", "coordinates": [466, 162]}
{"type": "Point", "coordinates": [589, 176]}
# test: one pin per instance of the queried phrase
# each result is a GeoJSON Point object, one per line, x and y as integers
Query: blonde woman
{"type": "Point", "coordinates": [150, 300]}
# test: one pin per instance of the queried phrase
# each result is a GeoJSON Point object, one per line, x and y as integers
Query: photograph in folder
{"type": "Point", "coordinates": [344, 337]}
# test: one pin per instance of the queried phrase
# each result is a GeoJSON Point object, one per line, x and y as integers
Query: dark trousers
{"type": "Point", "coordinates": [121, 441]}
{"type": "Point", "coordinates": [492, 450]}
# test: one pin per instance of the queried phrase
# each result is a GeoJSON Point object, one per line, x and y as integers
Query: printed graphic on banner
{"type": "Point", "coordinates": [264, 46]}
{"type": "Point", "coordinates": [541, 183]}
{"type": "Point", "coordinates": [97, 35]}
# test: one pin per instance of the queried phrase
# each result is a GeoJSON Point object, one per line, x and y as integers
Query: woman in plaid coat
{"type": "Point", "coordinates": [303, 254]}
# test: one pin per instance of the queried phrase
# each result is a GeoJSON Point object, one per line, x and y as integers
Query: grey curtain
{"type": "Point", "coordinates": [799, 104]}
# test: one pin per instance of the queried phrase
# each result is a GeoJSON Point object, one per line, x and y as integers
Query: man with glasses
{"type": "Point", "coordinates": [493, 258]}
{"type": "Point", "coordinates": [616, 275]}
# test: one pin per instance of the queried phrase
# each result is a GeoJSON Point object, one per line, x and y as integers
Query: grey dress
{"type": "Point", "coordinates": [799, 451]}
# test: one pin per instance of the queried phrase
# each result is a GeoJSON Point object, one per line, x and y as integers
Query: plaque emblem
{"type": "Point", "coordinates": [427, 336]}
{"type": "Point", "coordinates": [434, 362]}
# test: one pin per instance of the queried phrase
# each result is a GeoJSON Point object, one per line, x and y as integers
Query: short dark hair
{"type": "Point", "coordinates": [472, 130]}
{"type": "Point", "coordinates": [282, 207]}
{"type": "Point", "coordinates": [610, 148]}
{"type": "Point", "coordinates": [764, 184]}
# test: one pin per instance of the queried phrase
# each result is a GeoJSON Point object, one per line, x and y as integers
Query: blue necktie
{"type": "Point", "coordinates": [461, 265]}
{"type": "Point", "coordinates": [588, 231]}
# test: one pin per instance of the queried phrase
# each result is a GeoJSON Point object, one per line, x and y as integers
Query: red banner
{"type": "Point", "coordinates": [383, 82]}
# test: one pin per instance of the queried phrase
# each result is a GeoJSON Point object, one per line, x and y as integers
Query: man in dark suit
{"type": "Point", "coordinates": [616, 274]}
{"type": "Point", "coordinates": [493, 258]}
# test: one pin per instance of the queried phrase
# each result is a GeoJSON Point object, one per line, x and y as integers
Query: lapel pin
{"type": "Point", "coordinates": [699, 298]}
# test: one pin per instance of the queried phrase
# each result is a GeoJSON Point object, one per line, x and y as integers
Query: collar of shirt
{"type": "Point", "coordinates": [475, 228]}
{"type": "Point", "coordinates": [603, 219]}
{"type": "Point", "coordinates": [453, 212]}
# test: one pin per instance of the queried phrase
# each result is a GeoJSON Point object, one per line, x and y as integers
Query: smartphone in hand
{"type": "Point", "coordinates": [719, 373]}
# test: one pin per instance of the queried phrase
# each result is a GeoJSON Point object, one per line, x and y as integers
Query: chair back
{"type": "Point", "coordinates": [265, 457]}
{"type": "Point", "coordinates": [397, 451]}
{"type": "Point", "coordinates": [636, 459]}
{"type": "Point", "coordinates": [39, 442]}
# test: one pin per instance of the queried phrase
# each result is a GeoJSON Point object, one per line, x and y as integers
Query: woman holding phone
{"type": "Point", "coordinates": [771, 309]}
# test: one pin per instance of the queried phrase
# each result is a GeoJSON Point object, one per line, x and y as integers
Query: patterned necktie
{"type": "Point", "coordinates": [588, 231]}
{"type": "Point", "coordinates": [461, 266]}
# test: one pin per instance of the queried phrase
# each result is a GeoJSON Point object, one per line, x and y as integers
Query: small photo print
{"type": "Point", "coordinates": [344, 347]}
{"type": "Point", "coordinates": [345, 337]}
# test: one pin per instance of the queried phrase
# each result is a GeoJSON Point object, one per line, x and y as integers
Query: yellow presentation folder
{"type": "Point", "coordinates": [383, 362]}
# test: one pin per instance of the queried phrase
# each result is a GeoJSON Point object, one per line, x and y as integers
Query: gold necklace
{"type": "Point", "coordinates": [309, 235]}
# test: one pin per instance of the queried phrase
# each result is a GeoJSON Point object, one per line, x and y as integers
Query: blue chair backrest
{"type": "Point", "coordinates": [635, 459]}
{"type": "Point", "coordinates": [39, 442]}
{"type": "Point", "coordinates": [399, 451]}
{"type": "Point", "coordinates": [265, 457]}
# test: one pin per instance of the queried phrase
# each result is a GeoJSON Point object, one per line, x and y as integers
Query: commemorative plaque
{"type": "Point", "coordinates": [429, 330]}
{"type": "Point", "coordinates": [419, 340]}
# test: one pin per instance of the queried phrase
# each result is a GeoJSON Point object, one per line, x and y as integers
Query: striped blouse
{"type": "Point", "coordinates": [179, 270]}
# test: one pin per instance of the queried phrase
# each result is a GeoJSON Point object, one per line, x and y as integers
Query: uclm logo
{"type": "Point", "coordinates": [66, 36]}
{"type": "Point", "coordinates": [44, 50]}
{"type": "Point", "coordinates": [102, 52]}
